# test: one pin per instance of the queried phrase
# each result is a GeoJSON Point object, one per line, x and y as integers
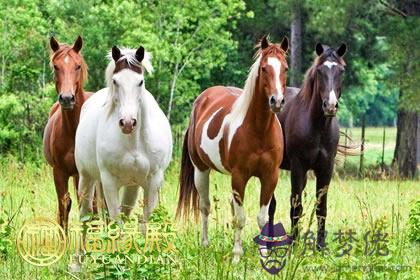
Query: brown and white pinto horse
{"type": "Point", "coordinates": [70, 73]}
{"type": "Point", "coordinates": [236, 132]}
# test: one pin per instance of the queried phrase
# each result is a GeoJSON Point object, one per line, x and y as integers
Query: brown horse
{"type": "Point", "coordinates": [236, 132]}
{"type": "Point", "coordinates": [311, 132]}
{"type": "Point", "coordinates": [70, 73]}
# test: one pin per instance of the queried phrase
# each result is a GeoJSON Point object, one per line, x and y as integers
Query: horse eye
{"type": "Point", "coordinates": [141, 83]}
{"type": "Point", "coordinates": [114, 82]}
{"type": "Point", "coordinates": [55, 67]}
{"type": "Point", "coordinates": [264, 69]}
{"type": "Point", "coordinates": [78, 67]}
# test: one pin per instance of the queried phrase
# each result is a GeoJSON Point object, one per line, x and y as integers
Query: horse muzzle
{"type": "Point", "coordinates": [329, 108]}
{"type": "Point", "coordinates": [127, 126]}
{"type": "Point", "coordinates": [276, 104]}
{"type": "Point", "coordinates": [67, 101]}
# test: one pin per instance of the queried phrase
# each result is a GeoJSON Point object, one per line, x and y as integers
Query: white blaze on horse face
{"type": "Point", "coordinates": [66, 59]}
{"type": "Point", "coordinates": [329, 64]}
{"type": "Point", "coordinates": [128, 93]}
{"type": "Point", "coordinates": [276, 64]}
{"type": "Point", "coordinates": [211, 146]}
{"type": "Point", "coordinates": [332, 98]}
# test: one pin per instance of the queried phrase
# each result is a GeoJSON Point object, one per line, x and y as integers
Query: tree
{"type": "Point", "coordinates": [403, 27]}
{"type": "Point", "coordinates": [296, 44]}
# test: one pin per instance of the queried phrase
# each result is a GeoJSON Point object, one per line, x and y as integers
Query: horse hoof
{"type": "Point", "coordinates": [75, 267]}
{"type": "Point", "coordinates": [205, 243]}
{"type": "Point", "coordinates": [236, 259]}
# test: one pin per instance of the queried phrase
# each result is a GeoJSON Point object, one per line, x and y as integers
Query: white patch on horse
{"type": "Point", "coordinates": [211, 146]}
{"type": "Point", "coordinates": [329, 64]}
{"type": "Point", "coordinates": [332, 99]}
{"type": "Point", "coordinates": [276, 64]}
{"type": "Point", "coordinates": [241, 105]}
{"type": "Point", "coordinates": [66, 59]}
{"type": "Point", "coordinates": [262, 217]}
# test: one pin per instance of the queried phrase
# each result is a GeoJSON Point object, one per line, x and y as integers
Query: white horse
{"type": "Point", "coordinates": [123, 138]}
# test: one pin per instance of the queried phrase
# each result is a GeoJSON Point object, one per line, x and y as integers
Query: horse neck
{"type": "Point", "coordinates": [70, 118]}
{"type": "Point", "coordinates": [259, 115]}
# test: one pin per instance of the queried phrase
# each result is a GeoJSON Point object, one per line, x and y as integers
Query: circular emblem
{"type": "Point", "coordinates": [41, 241]}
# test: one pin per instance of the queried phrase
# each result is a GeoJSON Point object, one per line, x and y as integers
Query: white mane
{"type": "Point", "coordinates": [130, 56]}
{"type": "Point", "coordinates": [241, 105]}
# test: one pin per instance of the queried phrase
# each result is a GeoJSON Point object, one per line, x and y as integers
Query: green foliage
{"type": "Point", "coordinates": [198, 44]}
{"type": "Point", "coordinates": [414, 222]}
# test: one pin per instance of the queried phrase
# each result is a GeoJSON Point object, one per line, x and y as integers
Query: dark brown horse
{"type": "Point", "coordinates": [311, 132]}
{"type": "Point", "coordinates": [236, 132]}
{"type": "Point", "coordinates": [70, 73]}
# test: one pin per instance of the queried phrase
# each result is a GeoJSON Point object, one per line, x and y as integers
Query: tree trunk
{"type": "Point", "coordinates": [296, 38]}
{"type": "Point", "coordinates": [172, 90]}
{"type": "Point", "coordinates": [405, 154]}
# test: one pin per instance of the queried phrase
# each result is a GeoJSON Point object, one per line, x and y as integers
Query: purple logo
{"type": "Point", "coordinates": [273, 247]}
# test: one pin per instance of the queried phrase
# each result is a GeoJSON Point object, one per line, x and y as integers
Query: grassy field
{"type": "Point", "coordinates": [361, 205]}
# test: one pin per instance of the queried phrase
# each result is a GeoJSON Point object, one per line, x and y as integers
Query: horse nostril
{"type": "Point", "coordinates": [72, 98]}
{"type": "Point", "coordinates": [134, 122]}
{"type": "Point", "coordinates": [336, 105]}
{"type": "Point", "coordinates": [121, 122]}
{"type": "Point", "coordinates": [324, 104]}
{"type": "Point", "coordinates": [283, 101]}
{"type": "Point", "coordinates": [60, 98]}
{"type": "Point", "coordinates": [272, 100]}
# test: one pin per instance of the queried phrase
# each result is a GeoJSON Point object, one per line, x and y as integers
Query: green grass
{"type": "Point", "coordinates": [361, 205]}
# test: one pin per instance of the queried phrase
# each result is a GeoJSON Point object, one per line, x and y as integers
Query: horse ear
{"type": "Point", "coordinates": [116, 53]}
{"type": "Point", "coordinates": [78, 44]}
{"type": "Point", "coordinates": [319, 49]}
{"type": "Point", "coordinates": [54, 44]}
{"type": "Point", "coordinates": [285, 44]}
{"type": "Point", "coordinates": [264, 42]}
{"type": "Point", "coordinates": [140, 54]}
{"type": "Point", "coordinates": [341, 50]}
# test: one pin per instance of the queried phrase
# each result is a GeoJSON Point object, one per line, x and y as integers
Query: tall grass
{"type": "Point", "coordinates": [27, 191]}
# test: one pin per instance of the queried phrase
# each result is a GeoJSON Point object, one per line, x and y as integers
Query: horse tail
{"type": "Point", "coordinates": [348, 150]}
{"type": "Point", "coordinates": [188, 194]}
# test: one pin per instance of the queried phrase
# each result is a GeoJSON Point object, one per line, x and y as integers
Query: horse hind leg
{"type": "Point", "coordinates": [238, 188]}
{"type": "Point", "coordinates": [201, 181]}
{"type": "Point", "coordinates": [298, 179]}
{"type": "Point", "coordinates": [64, 201]}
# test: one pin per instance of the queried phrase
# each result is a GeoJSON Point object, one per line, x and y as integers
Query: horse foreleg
{"type": "Point", "coordinates": [298, 179]}
{"type": "Point", "coordinates": [151, 193]}
{"type": "Point", "coordinates": [76, 187]}
{"type": "Point", "coordinates": [201, 181]}
{"type": "Point", "coordinates": [85, 194]}
{"type": "Point", "coordinates": [268, 185]}
{"type": "Point", "coordinates": [238, 188]}
{"type": "Point", "coordinates": [64, 201]}
{"type": "Point", "coordinates": [110, 189]}
{"type": "Point", "coordinates": [322, 182]}
{"type": "Point", "coordinates": [129, 199]}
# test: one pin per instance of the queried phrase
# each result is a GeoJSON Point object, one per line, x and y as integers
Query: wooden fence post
{"type": "Point", "coordinates": [362, 146]}
{"type": "Point", "coordinates": [383, 152]}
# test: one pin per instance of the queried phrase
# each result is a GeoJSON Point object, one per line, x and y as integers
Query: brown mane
{"type": "Point", "coordinates": [308, 82]}
{"type": "Point", "coordinates": [66, 50]}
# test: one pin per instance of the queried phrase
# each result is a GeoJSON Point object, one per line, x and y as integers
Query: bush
{"type": "Point", "coordinates": [414, 222]}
